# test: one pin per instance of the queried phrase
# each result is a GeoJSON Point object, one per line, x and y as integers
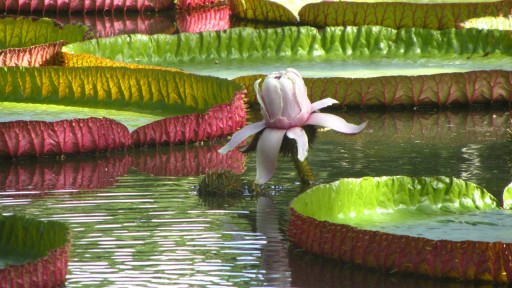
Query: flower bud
{"type": "Point", "coordinates": [283, 99]}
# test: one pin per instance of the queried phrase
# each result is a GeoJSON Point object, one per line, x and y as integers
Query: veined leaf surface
{"type": "Point", "coordinates": [18, 32]}
{"type": "Point", "coordinates": [151, 91]}
{"type": "Point", "coordinates": [359, 66]}
{"type": "Point", "coordinates": [439, 226]}
{"type": "Point", "coordinates": [32, 252]}
{"type": "Point", "coordinates": [400, 14]}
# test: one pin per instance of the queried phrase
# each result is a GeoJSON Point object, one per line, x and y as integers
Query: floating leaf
{"type": "Point", "coordinates": [220, 121]}
{"type": "Point", "coordinates": [405, 14]}
{"type": "Point", "coordinates": [262, 10]}
{"type": "Point", "coordinates": [507, 197]}
{"type": "Point", "coordinates": [33, 253]}
{"type": "Point", "coordinates": [500, 23]}
{"type": "Point", "coordinates": [66, 6]}
{"type": "Point", "coordinates": [19, 32]}
{"type": "Point", "coordinates": [41, 138]}
{"type": "Point", "coordinates": [81, 60]}
{"type": "Point", "coordinates": [152, 91]}
{"type": "Point", "coordinates": [391, 67]}
{"type": "Point", "coordinates": [396, 223]}
{"type": "Point", "coordinates": [438, 89]}
{"type": "Point", "coordinates": [39, 55]}
{"type": "Point", "coordinates": [33, 177]}
{"type": "Point", "coordinates": [212, 19]}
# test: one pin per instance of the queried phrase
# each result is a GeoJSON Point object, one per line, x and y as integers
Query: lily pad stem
{"type": "Point", "coordinates": [304, 170]}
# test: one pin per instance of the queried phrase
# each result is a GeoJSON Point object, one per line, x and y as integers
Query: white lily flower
{"type": "Point", "coordinates": [286, 108]}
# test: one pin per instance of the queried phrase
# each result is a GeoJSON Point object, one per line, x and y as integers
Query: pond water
{"type": "Point", "coordinates": [137, 220]}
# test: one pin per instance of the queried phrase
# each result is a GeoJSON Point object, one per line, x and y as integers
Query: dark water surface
{"type": "Point", "coordinates": [137, 220]}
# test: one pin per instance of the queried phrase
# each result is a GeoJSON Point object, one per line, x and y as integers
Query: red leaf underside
{"type": "Point", "coordinates": [49, 271]}
{"type": "Point", "coordinates": [41, 138]}
{"type": "Point", "coordinates": [471, 260]}
{"type": "Point", "coordinates": [220, 121]}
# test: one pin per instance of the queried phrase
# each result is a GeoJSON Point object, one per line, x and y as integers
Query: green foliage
{"type": "Point", "coordinates": [25, 239]}
{"type": "Point", "coordinates": [151, 91]}
{"type": "Point", "coordinates": [399, 198]}
{"type": "Point", "coordinates": [18, 32]}
{"type": "Point", "coordinates": [297, 43]}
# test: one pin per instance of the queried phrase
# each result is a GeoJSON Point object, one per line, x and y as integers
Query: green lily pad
{"type": "Point", "coordinates": [149, 91]}
{"type": "Point", "coordinates": [400, 14]}
{"type": "Point", "coordinates": [432, 14]}
{"type": "Point", "coordinates": [359, 66]}
{"type": "Point", "coordinates": [507, 197]}
{"type": "Point", "coordinates": [439, 226]}
{"type": "Point", "coordinates": [33, 252]}
{"type": "Point", "coordinates": [334, 51]}
{"type": "Point", "coordinates": [190, 108]}
{"type": "Point", "coordinates": [500, 23]}
{"type": "Point", "coordinates": [19, 32]}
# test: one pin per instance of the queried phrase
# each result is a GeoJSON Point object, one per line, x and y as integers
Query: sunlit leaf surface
{"type": "Point", "coordinates": [263, 10]}
{"type": "Point", "coordinates": [500, 23]}
{"type": "Point", "coordinates": [33, 253]}
{"type": "Point", "coordinates": [18, 32]}
{"type": "Point", "coordinates": [441, 227]}
{"type": "Point", "coordinates": [400, 14]}
{"type": "Point", "coordinates": [207, 105]}
{"type": "Point", "coordinates": [359, 66]}
{"type": "Point", "coordinates": [152, 91]}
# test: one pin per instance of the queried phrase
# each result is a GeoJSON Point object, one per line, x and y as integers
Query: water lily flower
{"type": "Point", "coordinates": [286, 108]}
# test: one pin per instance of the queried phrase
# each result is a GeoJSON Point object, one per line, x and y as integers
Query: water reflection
{"type": "Point", "coordinates": [112, 24]}
{"type": "Point", "coordinates": [75, 173]}
{"type": "Point", "coordinates": [84, 172]}
{"type": "Point", "coordinates": [149, 228]}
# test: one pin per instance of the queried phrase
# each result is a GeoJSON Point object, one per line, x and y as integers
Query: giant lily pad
{"type": "Point", "coordinates": [444, 14]}
{"type": "Point", "coordinates": [33, 253]}
{"type": "Point", "coordinates": [359, 66]}
{"type": "Point", "coordinates": [41, 138]}
{"type": "Point", "coordinates": [18, 32]}
{"type": "Point", "coordinates": [213, 19]}
{"type": "Point", "coordinates": [206, 106]}
{"type": "Point", "coordinates": [440, 227]}
{"type": "Point", "coordinates": [432, 14]}
{"type": "Point", "coordinates": [31, 41]}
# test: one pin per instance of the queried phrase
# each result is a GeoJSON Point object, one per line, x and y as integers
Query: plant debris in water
{"type": "Point", "coordinates": [220, 183]}
{"type": "Point", "coordinates": [220, 189]}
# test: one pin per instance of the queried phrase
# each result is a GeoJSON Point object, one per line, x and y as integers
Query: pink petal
{"type": "Point", "coordinates": [323, 103]}
{"type": "Point", "coordinates": [300, 136]}
{"type": "Point", "coordinates": [334, 122]}
{"type": "Point", "coordinates": [267, 152]}
{"type": "Point", "coordinates": [241, 135]}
